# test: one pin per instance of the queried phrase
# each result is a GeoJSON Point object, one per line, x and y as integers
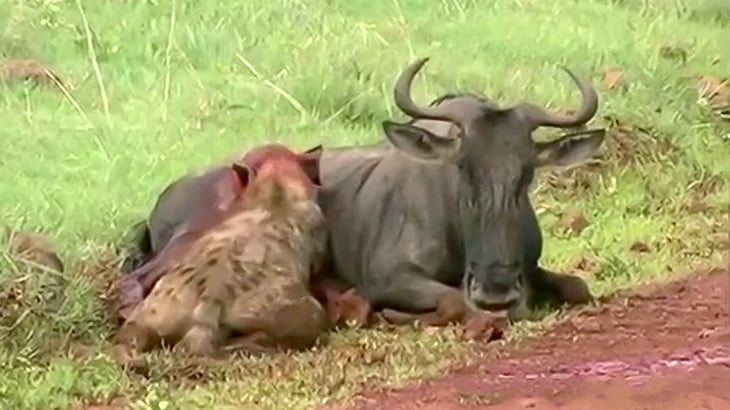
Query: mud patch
{"type": "Point", "coordinates": [658, 348]}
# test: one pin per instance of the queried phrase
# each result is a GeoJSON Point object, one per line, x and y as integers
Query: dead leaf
{"type": "Point", "coordinates": [574, 222]}
{"type": "Point", "coordinates": [673, 52]}
{"type": "Point", "coordinates": [715, 93]}
{"type": "Point", "coordinates": [612, 78]}
{"type": "Point", "coordinates": [26, 69]}
{"type": "Point", "coordinates": [711, 87]}
{"type": "Point", "coordinates": [697, 206]}
{"type": "Point", "coordinates": [706, 186]}
{"type": "Point", "coordinates": [584, 265]}
{"type": "Point", "coordinates": [80, 351]}
{"type": "Point", "coordinates": [720, 241]}
{"type": "Point", "coordinates": [376, 356]}
{"type": "Point", "coordinates": [117, 403]}
{"type": "Point", "coordinates": [640, 247]}
{"type": "Point", "coordinates": [34, 247]}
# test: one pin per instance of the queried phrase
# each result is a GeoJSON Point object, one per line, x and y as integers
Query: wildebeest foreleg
{"type": "Point", "coordinates": [558, 288]}
{"type": "Point", "coordinates": [413, 297]}
{"type": "Point", "coordinates": [342, 303]}
{"type": "Point", "coordinates": [549, 289]}
{"type": "Point", "coordinates": [453, 309]}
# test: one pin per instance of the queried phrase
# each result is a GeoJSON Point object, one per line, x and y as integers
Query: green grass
{"type": "Point", "coordinates": [84, 176]}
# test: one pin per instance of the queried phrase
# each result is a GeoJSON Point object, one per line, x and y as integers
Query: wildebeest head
{"type": "Point", "coordinates": [496, 159]}
{"type": "Point", "coordinates": [297, 172]}
{"type": "Point", "coordinates": [308, 160]}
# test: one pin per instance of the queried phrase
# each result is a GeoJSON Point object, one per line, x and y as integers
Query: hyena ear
{"type": "Point", "coordinates": [309, 161]}
{"type": "Point", "coordinates": [244, 172]}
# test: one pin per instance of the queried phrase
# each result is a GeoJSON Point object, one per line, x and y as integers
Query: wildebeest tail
{"type": "Point", "coordinates": [139, 249]}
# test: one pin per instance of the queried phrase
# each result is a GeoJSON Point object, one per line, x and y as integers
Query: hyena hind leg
{"type": "Point", "coordinates": [300, 324]}
{"type": "Point", "coordinates": [201, 339]}
{"type": "Point", "coordinates": [254, 344]}
{"type": "Point", "coordinates": [132, 339]}
{"type": "Point", "coordinates": [137, 336]}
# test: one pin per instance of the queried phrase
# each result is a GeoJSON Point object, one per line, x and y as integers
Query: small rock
{"type": "Point", "coordinates": [584, 265]}
{"type": "Point", "coordinates": [591, 326]}
{"type": "Point", "coordinates": [705, 333]}
{"type": "Point", "coordinates": [529, 403]}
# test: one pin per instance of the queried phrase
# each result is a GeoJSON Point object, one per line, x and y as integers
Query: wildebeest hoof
{"type": "Point", "coordinates": [379, 320]}
{"type": "Point", "coordinates": [395, 317]}
{"type": "Point", "coordinates": [521, 312]}
{"type": "Point", "coordinates": [349, 307]}
{"type": "Point", "coordinates": [572, 290]}
{"type": "Point", "coordinates": [486, 326]}
{"type": "Point", "coordinates": [451, 309]}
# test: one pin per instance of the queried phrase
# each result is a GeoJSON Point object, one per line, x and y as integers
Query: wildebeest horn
{"type": "Point", "coordinates": [402, 94]}
{"type": "Point", "coordinates": [588, 107]}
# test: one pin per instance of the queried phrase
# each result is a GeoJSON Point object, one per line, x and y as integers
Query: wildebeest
{"type": "Point", "coordinates": [447, 206]}
{"type": "Point", "coordinates": [242, 273]}
{"type": "Point", "coordinates": [443, 212]}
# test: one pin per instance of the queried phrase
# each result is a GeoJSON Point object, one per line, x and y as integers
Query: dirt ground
{"type": "Point", "coordinates": [662, 347]}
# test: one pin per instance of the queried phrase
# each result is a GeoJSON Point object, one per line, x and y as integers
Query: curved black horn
{"type": "Point", "coordinates": [402, 94]}
{"type": "Point", "coordinates": [588, 107]}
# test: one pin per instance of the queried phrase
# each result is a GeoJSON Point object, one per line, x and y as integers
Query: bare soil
{"type": "Point", "coordinates": [661, 347]}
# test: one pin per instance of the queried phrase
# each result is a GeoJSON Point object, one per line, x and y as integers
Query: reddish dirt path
{"type": "Point", "coordinates": [659, 348]}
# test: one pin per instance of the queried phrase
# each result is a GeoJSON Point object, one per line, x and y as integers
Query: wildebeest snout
{"type": "Point", "coordinates": [495, 287]}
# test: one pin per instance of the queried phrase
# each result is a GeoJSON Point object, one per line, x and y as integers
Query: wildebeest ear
{"type": "Point", "coordinates": [309, 161]}
{"type": "Point", "coordinates": [569, 149]}
{"type": "Point", "coordinates": [244, 173]}
{"type": "Point", "coordinates": [421, 144]}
